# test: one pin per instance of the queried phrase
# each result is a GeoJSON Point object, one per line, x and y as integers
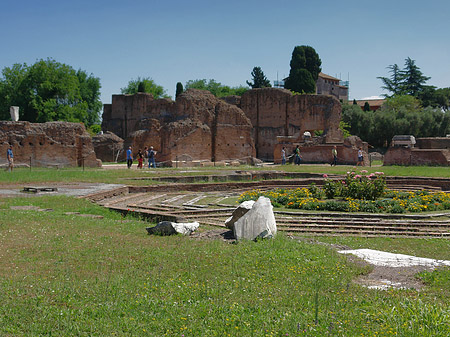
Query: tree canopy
{"type": "Point", "coordinates": [407, 81]}
{"type": "Point", "coordinates": [146, 85]}
{"type": "Point", "coordinates": [50, 91]}
{"type": "Point", "coordinates": [259, 79]}
{"type": "Point", "coordinates": [216, 88]}
{"type": "Point", "coordinates": [399, 115]}
{"type": "Point", "coordinates": [305, 68]}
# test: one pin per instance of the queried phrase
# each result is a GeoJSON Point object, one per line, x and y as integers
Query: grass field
{"type": "Point", "coordinates": [69, 275]}
{"type": "Point", "coordinates": [131, 177]}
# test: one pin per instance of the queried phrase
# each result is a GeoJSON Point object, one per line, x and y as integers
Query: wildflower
{"type": "Point", "coordinates": [325, 176]}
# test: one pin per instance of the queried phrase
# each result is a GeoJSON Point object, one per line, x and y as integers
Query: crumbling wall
{"type": "Point", "coordinates": [414, 156]}
{"type": "Point", "coordinates": [48, 144]}
{"type": "Point", "coordinates": [277, 112]}
{"type": "Point", "coordinates": [198, 125]}
{"type": "Point", "coordinates": [108, 147]}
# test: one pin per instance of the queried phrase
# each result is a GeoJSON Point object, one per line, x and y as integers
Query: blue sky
{"type": "Point", "coordinates": [178, 41]}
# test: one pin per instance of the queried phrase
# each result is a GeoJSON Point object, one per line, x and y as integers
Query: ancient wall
{"type": "Point", "coordinates": [198, 125]}
{"type": "Point", "coordinates": [277, 112]}
{"type": "Point", "coordinates": [316, 152]}
{"type": "Point", "coordinates": [107, 146]}
{"type": "Point", "coordinates": [221, 129]}
{"type": "Point", "coordinates": [48, 144]}
{"type": "Point", "coordinates": [415, 156]}
{"type": "Point", "coordinates": [433, 143]}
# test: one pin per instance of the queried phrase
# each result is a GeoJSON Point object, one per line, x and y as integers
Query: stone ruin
{"type": "Point", "coordinates": [433, 151]}
{"type": "Point", "coordinates": [48, 144]}
{"type": "Point", "coordinates": [108, 146]}
{"type": "Point", "coordinates": [199, 126]}
{"type": "Point", "coordinates": [282, 119]}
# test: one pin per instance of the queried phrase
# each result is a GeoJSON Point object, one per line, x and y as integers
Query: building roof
{"type": "Point", "coordinates": [328, 77]}
{"type": "Point", "coordinates": [372, 102]}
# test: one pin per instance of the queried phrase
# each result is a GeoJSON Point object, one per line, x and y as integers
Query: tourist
{"type": "Point", "coordinates": [10, 157]}
{"type": "Point", "coordinates": [298, 157]}
{"type": "Point", "coordinates": [283, 156]}
{"type": "Point", "coordinates": [129, 157]}
{"type": "Point", "coordinates": [145, 157]}
{"type": "Point", "coordinates": [151, 158]}
{"type": "Point", "coordinates": [140, 158]}
{"type": "Point", "coordinates": [334, 154]}
{"type": "Point", "coordinates": [360, 158]}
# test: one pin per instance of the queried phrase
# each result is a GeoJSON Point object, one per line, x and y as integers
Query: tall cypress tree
{"type": "Point", "coordinates": [179, 90]}
{"type": "Point", "coordinates": [305, 68]}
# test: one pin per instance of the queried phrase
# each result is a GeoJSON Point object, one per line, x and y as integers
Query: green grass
{"type": "Point", "coordinates": [131, 177]}
{"type": "Point", "coordinates": [66, 275]}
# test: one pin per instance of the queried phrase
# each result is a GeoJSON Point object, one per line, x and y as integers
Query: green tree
{"type": "Point", "coordinates": [90, 93]}
{"type": "Point", "coordinates": [259, 79]}
{"type": "Point", "coordinates": [50, 91]}
{"type": "Point", "coordinates": [10, 94]}
{"type": "Point", "coordinates": [146, 85]}
{"type": "Point", "coordinates": [366, 106]}
{"type": "Point", "coordinates": [216, 88]}
{"type": "Point", "coordinates": [408, 81]}
{"type": "Point", "coordinates": [179, 90]}
{"type": "Point", "coordinates": [305, 68]}
{"type": "Point", "coordinates": [413, 79]}
{"type": "Point", "coordinates": [394, 83]}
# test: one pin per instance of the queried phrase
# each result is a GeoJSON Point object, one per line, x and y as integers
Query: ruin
{"type": "Point", "coordinates": [199, 126]}
{"type": "Point", "coordinates": [433, 151]}
{"type": "Point", "coordinates": [107, 146]}
{"type": "Point", "coordinates": [196, 126]}
{"type": "Point", "coordinates": [48, 144]}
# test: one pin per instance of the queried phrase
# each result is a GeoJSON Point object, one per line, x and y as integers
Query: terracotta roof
{"type": "Point", "coordinates": [372, 102]}
{"type": "Point", "coordinates": [328, 77]}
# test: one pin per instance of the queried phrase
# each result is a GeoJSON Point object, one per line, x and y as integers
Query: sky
{"type": "Point", "coordinates": [177, 41]}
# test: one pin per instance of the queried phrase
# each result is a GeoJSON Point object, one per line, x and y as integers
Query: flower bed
{"type": "Point", "coordinates": [355, 193]}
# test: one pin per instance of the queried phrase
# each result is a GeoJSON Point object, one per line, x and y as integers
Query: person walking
{"type": "Point", "coordinates": [129, 157]}
{"type": "Point", "coordinates": [140, 158]}
{"type": "Point", "coordinates": [10, 157]}
{"type": "Point", "coordinates": [146, 157]}
{"type": "Point", "coordinates": [151, 158]}
{"type": "Point", "coordinates": [334, 154]}
{"type": "Point", "coordinates": [360, 157]}
{"type": "Point", "coordinates": [283, 156]}
{"type": "Point", "coordinates": [298, 157]}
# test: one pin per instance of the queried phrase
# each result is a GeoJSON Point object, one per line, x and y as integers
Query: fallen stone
{"type": "Point", "coordinates": [239, 212]}
{"type": "Point", "coordinates": [170, 228]}
{"type": "Point", "coordinates": [385, 259]}
{"type": "Point", "coordinates": [258, 222]}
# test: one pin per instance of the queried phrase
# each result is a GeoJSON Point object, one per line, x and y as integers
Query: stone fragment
{"type": "Point", "coordinates": [242, 209]}
{"type": "Point", "coordinates": [171, 228]}
{"type": "Point", "coordinates": [14, 112]}
{"type": "Point", "coordinates": [259, 222]}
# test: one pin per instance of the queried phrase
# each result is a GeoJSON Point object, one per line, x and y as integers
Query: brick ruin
{"type": "Point", "coordinates": [197, 126]}
{"type": "Point", "coordinates": [58, 144]}
{"type": "Point", "coordinates": [433, 151]}
{"type": "Point", "coordinates": [202, 127]}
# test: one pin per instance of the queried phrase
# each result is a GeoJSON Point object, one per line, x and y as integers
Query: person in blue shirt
{"type": "Point", "coordinates": [151, 158]}
{"type": "Point", "coordinates": [129, 157]}
{"type": "Point", "coordinates": [10, 157]}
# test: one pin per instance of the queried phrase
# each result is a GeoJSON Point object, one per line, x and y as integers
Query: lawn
{"type": "Point", "coordinates": [69, 275]}
{"type": "Point", "coordinates": [62, 274]}
{"type": "Point", "coordinates": [134, 176]}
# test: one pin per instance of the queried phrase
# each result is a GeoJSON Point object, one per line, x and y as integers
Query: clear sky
{"type": "Point", "coordinates": [177, 41]}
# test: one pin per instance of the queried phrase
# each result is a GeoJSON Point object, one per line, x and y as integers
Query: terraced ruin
{"type": "Point", "coordinates": [211, 203]}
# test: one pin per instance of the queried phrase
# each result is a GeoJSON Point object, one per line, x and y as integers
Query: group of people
{"type": "Point", "coordinates": [145, 159]}
{"type": "Point", "coordinates": [298, 158]}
